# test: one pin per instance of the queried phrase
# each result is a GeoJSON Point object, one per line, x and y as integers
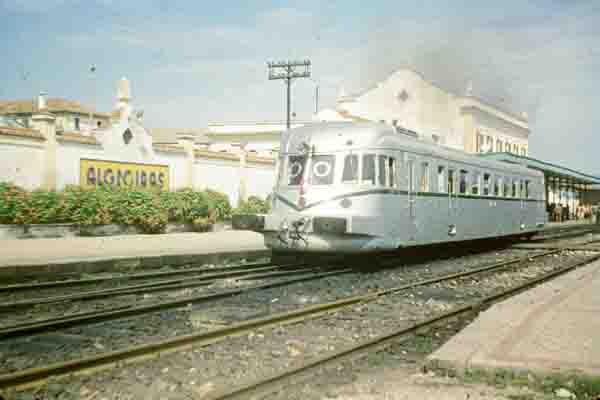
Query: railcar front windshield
{"type": "Point", "coordinates": [322, 169]}
{"type": "Point", "coordinates": [350, 173]}
{"type": "Point", "coordinates": [295, 169]}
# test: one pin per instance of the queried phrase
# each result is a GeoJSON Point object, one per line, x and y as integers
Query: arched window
{"type": "Point", "coordinates": [127, 136]}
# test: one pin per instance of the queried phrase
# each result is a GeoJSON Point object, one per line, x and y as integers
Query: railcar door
{"type": "Point", "coordinates": [412, 198]}
{"type": "Point", "coordinates": [524, 193]}
{"type": "Point", "coordinates": [452, 201]}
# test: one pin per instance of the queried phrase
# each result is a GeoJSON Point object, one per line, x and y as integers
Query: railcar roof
{"type": "Point", "coordinates": [339, 136]}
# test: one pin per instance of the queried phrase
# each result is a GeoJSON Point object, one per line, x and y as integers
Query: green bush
{"type": "Point", "coordinates": [254, 205]}
{"type": "Point", "coordinates": [10, 197]}
{"type": "Point", "coordinates": [219, 202]}
{"type": "Point", "coordinates": [149, 210]}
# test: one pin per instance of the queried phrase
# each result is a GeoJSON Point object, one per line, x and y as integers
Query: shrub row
{"type": "Point", "coordinates": [254, 205]}
{"type": "Point", "coordinates": [148, 210]}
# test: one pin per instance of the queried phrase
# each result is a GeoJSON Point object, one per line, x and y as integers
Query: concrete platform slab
{"type": "Point", "coordinates": [94, 254]}
{"type": "Point", "coordinates": [551, 329]}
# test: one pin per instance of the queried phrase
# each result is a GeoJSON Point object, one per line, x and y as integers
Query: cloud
{"type": "Point", "coordinates": [540, 60]}
{"type": "Point", "coordinates": [32, 6]}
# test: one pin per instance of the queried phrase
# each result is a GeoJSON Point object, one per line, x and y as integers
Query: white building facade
{"type": "Point", "coordinates": [406, 99]}
{"type": "Point", "coordinates": [41, 156]}
{"type": "Point", "coordinates": [235, 158]}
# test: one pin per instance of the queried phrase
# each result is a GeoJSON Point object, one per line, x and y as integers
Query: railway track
{"type": "Point", "coordinates": [274, 383]}
{"type": "Point", "coordinates": [67, 283]}
{"type": "Point", "coordinates": [94, 317]}
{"type": "Point", "coordinates": [145, 351]}
{"type": "Point", "coordinates": [171, 284]}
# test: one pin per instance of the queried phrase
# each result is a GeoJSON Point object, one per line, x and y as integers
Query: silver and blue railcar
{"type": "Point", "coordinates": [356, 188]}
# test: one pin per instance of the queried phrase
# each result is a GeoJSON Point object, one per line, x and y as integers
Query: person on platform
{"type": "Point", "coordinates": [550, 211]}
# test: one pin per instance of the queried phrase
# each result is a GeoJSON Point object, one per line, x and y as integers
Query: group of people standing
{"type": "Point", "coordinates": [559, 213]}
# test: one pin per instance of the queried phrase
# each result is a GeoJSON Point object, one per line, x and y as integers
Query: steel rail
{"type": "Point", "coordinates": [565, 247]}
{"type": "Point", "coordinates": [105, 360]}
{"type": "Point", "coordinates": [149, 275]}
{"type": "Point", "coordinates": [171, 284]}
{"type": "Point", "coordinates": [276, 382]}
{"type": "Point", "coordinates": [145, 275]}
{"type": "Point", "coordinates": [93, 317]}
{"type": "Point", "coordinates": [566, 235]}
{"type": "Point", "coordinates": [53, 324]}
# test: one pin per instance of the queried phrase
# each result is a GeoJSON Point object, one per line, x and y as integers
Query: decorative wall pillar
{"type": "Point", "coordinates": [187, 141]}
{"type": "Point", "coordinates": [45, 122]}
{"type": "Point", "coordinates": [470, 138]}
{"type": "Point", "coordinates": [242, 196]}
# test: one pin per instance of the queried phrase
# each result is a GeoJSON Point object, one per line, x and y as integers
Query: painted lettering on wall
{"type": "Point", "coordinates": [122, 174]}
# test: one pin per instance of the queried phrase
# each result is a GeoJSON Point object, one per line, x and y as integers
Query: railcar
{"type": "Point", "coordinates": [368, 187]}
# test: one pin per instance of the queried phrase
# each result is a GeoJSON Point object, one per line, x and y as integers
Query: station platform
{"type": "Point", "coordinates": [568, 224]}
{"type": "Point", "coordinates": [35, 257]}
{"type": "Point", "coordinates": [550, 330]}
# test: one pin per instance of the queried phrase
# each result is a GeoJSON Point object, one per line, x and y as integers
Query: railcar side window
{"type": "Point", "coordinates": [295, 170]}
{"type": "Point", "coordinates": [497, 184]}
{"type": "Point", "coordinates": [522, 189]}
{"type": "Point", "coordinates": [476, 183]}
{"type": "Point", "coordinates": [506, 190]}
{"type": "Point", "coordinates": [280, 164]}
{"type": "Point", "coordinates": [382, 170]}
{"type": "Point", "coordinates": [462, 183]}
{"type": "Point", "coordinates": [392, 169]}
{"type": "Point", "coordinates": [368, 169]}
{"type": "Point", "coordinates": [451, 181]}
{"type": "Point", "coordinates": [441, 180]}
{"type": "Point", "coordinates": [322, 170]}
{"type": "Point", "coordinates": [527, 193]}
{"type": "Point", "coordinates": [514, 188]}
{"type": "Point", "coordinates": [350, 173]}
{"type": "Point", "coordinates": [486, 184]}
{"type": "Point", "coordinates": [424, 183]}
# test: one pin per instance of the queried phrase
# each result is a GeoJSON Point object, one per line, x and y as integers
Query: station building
{"type": "Point", "coordinates": [573, 190]}
{"type": "Point", "coordinates": [41, 146]}
{"type": "Point", "coordinates": [52, 142]}
{"type": "Point", "coordinates": [408, 101]}
{"type": "Point", "coordinates": [463, 121]}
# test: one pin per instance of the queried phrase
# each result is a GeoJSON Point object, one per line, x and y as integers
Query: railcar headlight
{"type": "Point", "coordinates": [346, 203]}
{"type": "Point", "coordinates": [452, 230]}
{"type": "Point", "coordinates": [302, 201]}
{"type": "Point", "coordinates": [285, 226]}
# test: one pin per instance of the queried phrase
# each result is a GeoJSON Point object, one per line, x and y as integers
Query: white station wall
{"type": "Point", "coordinates": [68, 156]}
{"type": "Point", "coordinates": [224, 176]}
{"type": "Point", "coordinates": [22, 164]}
{"type": "Point", "coordinates": [260, 180]}
{"type": "Point", "coordinates": [176, 163]}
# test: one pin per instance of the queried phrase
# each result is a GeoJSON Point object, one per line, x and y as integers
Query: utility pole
{"type": "Point", "coordinates": [317, 100]}
{"type": "Point", "coordinates": [91, 122]}
{"type": "Point", "coordinates": [316, 95]}
{"type": "Point", "coordinates": [289, 70]}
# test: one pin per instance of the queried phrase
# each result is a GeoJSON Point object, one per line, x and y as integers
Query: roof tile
{"type": "Point", "coordinates": [54, 105]}
{"type": "Point", "coordinates": [76, 137]}
{"type": "Point", "coordinates": [21, 132]}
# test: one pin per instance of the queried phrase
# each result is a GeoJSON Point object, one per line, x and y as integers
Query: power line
{"type": "Point", "coordinates": [288, 70]}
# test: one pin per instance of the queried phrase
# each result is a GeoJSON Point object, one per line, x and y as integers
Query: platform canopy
{"type": "Point", "coordinates": [551, 171]}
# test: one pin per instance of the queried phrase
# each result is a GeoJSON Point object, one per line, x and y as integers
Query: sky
{"type": "Point", "coordinates": [195, 62]}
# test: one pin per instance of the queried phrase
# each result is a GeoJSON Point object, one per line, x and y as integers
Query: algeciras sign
{"type": "Point", "coordinates": [123, 174]}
